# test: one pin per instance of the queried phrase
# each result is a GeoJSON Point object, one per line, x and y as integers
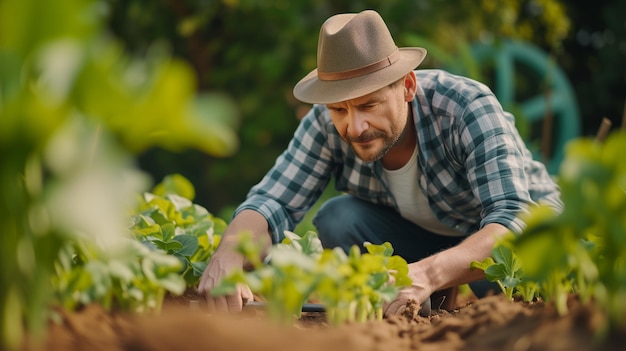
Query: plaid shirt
{"type": "Point", "coordinates": [474, 167]}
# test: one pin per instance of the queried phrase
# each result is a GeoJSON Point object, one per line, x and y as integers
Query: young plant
{"type": "Point", "coordinates": [285, 279]}
{"type": "Point", "coordinates": [167, 220]}
{"type": "Point", "coordinates": [504, 268]}
{"type": "Point", "coordinates": [133, 279]}
{"type": "Point", "coordinates": [354, 287]}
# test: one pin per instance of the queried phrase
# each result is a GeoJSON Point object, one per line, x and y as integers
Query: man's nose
{"type": "Point", "coordinates": [357, 124]}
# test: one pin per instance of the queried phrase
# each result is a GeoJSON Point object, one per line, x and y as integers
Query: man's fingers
{"type": "Point", "coordinates": [230, 303]}
{"type": "Point", "coordinates": [210, 302]}
{"type": "Point", "coordinates": [395, 307]}
{"type": "Point", "coordinates": [221, 305]}
{"type": "Point", "coordinates": [234, 303]}
{"type": "Point", "coordinates": [246, 294]}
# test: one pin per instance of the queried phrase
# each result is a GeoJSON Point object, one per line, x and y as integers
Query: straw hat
{"type": "Point", "coordinates": [356, 55]}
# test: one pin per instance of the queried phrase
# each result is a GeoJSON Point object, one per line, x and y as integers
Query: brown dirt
{"type": "Point", "coordinates": [491, 323]}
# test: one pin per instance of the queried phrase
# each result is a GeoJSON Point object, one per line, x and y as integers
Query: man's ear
{"type": "Point", "coordinates": [410, 86]}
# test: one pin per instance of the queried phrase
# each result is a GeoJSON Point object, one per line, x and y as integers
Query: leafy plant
{"type": "Point", "coordinates": [168, 221]}
{"type": "Point", "coordinates": [355, 286]}
{"type": "Point", "coordinates": [132, 279]}
{"type": "Point", "coordinates": [286, 279]}
{"type": "Point", "coordinates": [73, 110]}
{"type": "Point", "coordinates": [352, 287]}
{"type": "Point", "coordinates": [502, 267]}
{"type": "Point", "coordinates": [583, 248]}
{"type": "Point", "coordinates": [586, 243]}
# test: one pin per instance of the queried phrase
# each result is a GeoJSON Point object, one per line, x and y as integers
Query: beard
{"type": "Point", "coordinates": [373, 152]}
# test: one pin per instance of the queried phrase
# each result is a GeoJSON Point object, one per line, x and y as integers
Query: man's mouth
{"type": "Point", "coordinates": [365, 138]}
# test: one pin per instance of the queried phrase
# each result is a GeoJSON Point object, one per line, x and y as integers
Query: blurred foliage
{"type": "Point", "coordinates": [74, 108]}
{"type": "Point", "coordinates": [584, 246]}
{"type": "Point", "coordinates": [255, 51]}
{"type": "Point", "coordinates": [594, 55]}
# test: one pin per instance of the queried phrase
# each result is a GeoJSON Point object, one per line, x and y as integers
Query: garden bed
{"type": "Point", "coordinates": [491, 323]}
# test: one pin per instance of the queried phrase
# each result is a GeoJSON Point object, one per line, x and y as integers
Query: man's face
{"type": "Point", "coordinates": [372, 124]}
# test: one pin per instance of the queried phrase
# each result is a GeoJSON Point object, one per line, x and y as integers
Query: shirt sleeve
{"type": "Point", "coordinates": [298, 177]}
{"type": "Point", "coordinates": [495, 157]}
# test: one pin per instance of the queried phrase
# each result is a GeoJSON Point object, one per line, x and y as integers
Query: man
{"type": "Point", "coordinates": [427, 160]}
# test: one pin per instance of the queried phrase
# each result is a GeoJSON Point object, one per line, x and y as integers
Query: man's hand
{"type": "Point", "coordinates": [226, 259]}
{"type": "Point", "coordinates": [447, 268]}
{"type": "Point", "coordinates": [413, 293]}
{"type": "Point", "coordinates": [221, 264]}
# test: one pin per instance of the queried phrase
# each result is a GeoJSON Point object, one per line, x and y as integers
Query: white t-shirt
{"type": "Point", "coordinates": [410, 199]}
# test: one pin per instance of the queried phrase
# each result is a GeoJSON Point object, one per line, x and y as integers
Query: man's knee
{"type": "Point", "coordinates": [336, 222]}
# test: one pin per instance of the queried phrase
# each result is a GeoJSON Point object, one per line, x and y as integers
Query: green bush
{"type": "Point", "coordinates": [74, 110]}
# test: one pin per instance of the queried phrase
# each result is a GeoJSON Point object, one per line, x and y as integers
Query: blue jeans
{"type": "Point", "coordinates": [344, 221]}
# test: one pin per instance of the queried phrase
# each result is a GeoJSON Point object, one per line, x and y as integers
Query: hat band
{"type": "Point", "coordinates": [387, 61]}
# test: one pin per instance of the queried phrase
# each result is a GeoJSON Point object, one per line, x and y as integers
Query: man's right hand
{"type": "Point", "coordinates": [226, 259]}
{"type": "Point", "coordinates": [222, 263]}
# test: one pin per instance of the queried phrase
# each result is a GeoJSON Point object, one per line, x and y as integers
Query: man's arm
{"type": "Point", "coordinates": [226, 259]}
{"type": "Point", "coordinates": [448, 268]}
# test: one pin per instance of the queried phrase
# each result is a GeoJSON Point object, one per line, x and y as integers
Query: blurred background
{"type": "Point", "coordinates": [101, 99]}
{"type": "Point", "coordinates": [560, 66]}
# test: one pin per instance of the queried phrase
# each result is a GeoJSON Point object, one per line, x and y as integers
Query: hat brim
{"type": "Point", "coordinates": [313, 90]}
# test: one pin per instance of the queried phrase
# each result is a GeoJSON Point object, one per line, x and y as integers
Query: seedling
{"type": "Point", "coordinates": [286, 280]}
{"type": "Point", "coordinates": [167, 221]}
{"type": "Point", "coordinates": [351, 287]}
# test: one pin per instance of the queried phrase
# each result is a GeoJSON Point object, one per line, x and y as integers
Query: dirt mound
{"type": "Point", "coordinates": [492, 323]}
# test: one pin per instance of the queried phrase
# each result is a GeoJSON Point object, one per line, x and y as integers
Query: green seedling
{"type": "Point", "coordinates": [134, 279]}
{"type": "Point", "coordinates": [504, 268]}
{"type": "Point", "coordinates": [167, 221]}
{"type": "Point", "coordinates": [351, 287]}
{"type": "Point", "coordinates": [354, 287]}
{"type": "Point", "coordinates": [286, 280]}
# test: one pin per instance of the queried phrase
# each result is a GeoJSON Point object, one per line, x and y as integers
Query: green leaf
{"type": "Point", "coordinates": [159, 214]}
{"type": "Point", "coordinates": [173, 283]}
{"type": "Point", "coordinates": [189, 245]}
{"type": "Point", "coordinates": [384, 249]}
{"type": "Point", "coordinates": [219, 225]}
{"type": "Point", "coordinates": [180, 203]}
{"type": "Point", "coordinates": [540, 252]}
{"type": "Point", "coordinates": [510, 282]}
{"type": "Point", "coordinates": [169, 246]}
{"type": "Point", "coordinates": [154, 230]}
{"type": "Point", "coordinates": [496, 272]}
{"type": "Point", "coordinates": [387, 294]}
{"type": "Point", "coordinates": [484, 264]}
{"type": "Point", "coordinates": [283, 256]}
{"type": "Point", "coordinates": [121, 270]}
{"type": "Point", "coordinates": [198, 229]}
{"type": "Point", "coordinates": [168, 232]}
{"type": "Point", "coordinates": [175, 184]}
{"type": "Point", "coordinates": [198, 268]}
{"type": "Point", "coordinates": [309, 243]}
{"type": "Point", "coordinates": [504, 255]}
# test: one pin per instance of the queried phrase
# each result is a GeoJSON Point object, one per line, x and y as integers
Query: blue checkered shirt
{"type": "Point", "coordinates": [474, 167]}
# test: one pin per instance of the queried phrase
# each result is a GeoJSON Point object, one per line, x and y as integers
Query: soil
{"type": "Point", "coordinates": [490, 323]}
